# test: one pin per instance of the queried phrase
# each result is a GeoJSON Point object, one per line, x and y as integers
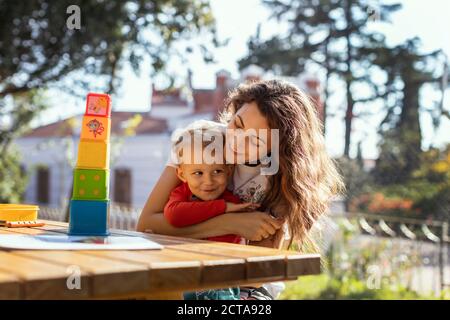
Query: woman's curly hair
{"type": "Point", "coordinates": [307, 178]}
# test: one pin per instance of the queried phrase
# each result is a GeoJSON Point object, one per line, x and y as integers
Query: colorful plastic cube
{"type": "Point", "coordinates": [88, 218]}
{"type": "Point", "coordinates": [90, 184]}
{"type": "Point", "coordinates": [98, 104]}
{"type": "Point", "coordinates": [93, 155]}
{"type": "Point", "coordinates": [95, 128]}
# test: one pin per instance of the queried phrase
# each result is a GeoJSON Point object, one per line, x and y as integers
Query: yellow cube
{"type": "Point", "coordinates": [93, 155]}
{"type": "Point", "coordinates": [95, 128]}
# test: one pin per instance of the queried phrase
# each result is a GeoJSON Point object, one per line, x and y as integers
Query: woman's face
{"type": "Point", "coordinates": [249, 138]}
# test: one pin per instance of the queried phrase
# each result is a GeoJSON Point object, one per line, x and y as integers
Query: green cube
{"type": "Point", "coordinates": [90, 184]}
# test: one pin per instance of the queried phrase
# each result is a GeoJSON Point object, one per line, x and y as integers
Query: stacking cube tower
{"type": "Point", "coordinates": [89, 206]}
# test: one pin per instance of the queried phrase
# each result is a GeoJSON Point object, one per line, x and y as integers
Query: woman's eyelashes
{"type": "Point", "coordinates": [254, 140]}
{"type": "Point", "coordinates": [237, 125]}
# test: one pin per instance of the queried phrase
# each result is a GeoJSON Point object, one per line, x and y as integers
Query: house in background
{"type": "Point", "coordinates": [137, 160]}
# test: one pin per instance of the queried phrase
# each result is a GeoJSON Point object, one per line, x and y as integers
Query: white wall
{"type": "Point", "coordinates": [169, 111]}
{"type": "Point", "coordinates": [52, 153]}
{"type": "Point", "coordinates": [145, 156]}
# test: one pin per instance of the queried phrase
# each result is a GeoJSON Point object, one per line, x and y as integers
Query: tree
{"type": "Point", "coordinates": [13, 179]}
{"type": "Point", "coordinates": [327, 33]}
{"type": "Point", "coordinates": [39, 50]}
{"type": "Point", "coordinates": [19, 113]}
{"type": "Point", "coordinates": [407, 71]}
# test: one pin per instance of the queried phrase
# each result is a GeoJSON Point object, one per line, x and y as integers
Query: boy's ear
{"type": "Point", "coordinates": [180, 174]}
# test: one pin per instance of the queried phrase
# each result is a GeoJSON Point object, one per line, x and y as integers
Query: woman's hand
{"type": "Point", "coordinates": [241, 207]}
{"type": "Point", "coordinates": [275, 241]}
{"type": "Point", "coordinates": [254, 226]}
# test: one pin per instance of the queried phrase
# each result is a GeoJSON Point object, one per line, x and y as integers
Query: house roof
{"type": "Point", "coordinates": [168, 98]}
{"type": "Point", "coordinates": [67, 127]}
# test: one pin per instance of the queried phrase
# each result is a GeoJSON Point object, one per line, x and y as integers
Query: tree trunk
{"type": "Point", "coordinates": [348, 82]}
{"type": "Point", "coordinates": [348, 119]}
{"type": "Point", "coordinates": [409, 127]}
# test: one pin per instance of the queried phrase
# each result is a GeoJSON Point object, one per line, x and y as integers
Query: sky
{"type": "Point", "coordinates": [238, 20]}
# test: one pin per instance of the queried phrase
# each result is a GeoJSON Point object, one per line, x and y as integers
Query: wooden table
{"type": "Point", "coordinates": [183, 264]}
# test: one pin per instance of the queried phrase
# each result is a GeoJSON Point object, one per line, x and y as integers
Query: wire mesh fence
{"type": "Point", "coordinates": [120, 216]}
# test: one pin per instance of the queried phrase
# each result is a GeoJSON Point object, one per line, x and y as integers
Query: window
{"type": "Point", "coordinates": [122, 186]}
{"type": "Point", "coordinates": [43, 185]}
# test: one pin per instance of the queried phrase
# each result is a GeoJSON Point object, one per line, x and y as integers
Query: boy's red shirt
{"type": "Point", "coordinates": [182, 210]}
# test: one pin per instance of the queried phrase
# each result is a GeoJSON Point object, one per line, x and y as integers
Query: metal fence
{"type": "Point", "coordinates": [120, 216]}
{"type": "Point", "coordinates": [427, 240]}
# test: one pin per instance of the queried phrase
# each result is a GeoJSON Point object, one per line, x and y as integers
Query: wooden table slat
{"type": "Point", "coordinates": [212, 269]}
{"type": "Point", "coordinates": [108, 276]}
{"type": "Point", "coordinates": [9, 286]}
{"type": "Point", "coordinates": [42, 280]}
{"type": "Point", "coordinates": [183, 264]}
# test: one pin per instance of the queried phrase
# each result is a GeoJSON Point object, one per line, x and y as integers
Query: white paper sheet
{"type": "Point", "coordinates": [65, 242]}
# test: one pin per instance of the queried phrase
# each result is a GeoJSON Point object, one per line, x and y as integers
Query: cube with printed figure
{"type": "Point", "coordinates": [93, 155]}
{"type": "Point", "coordinates": [98, 104]}
{"type": "Point", "coordinates": [88, 218]}
{"type": "Point", "coordinates": [90, 184]}
{"type": "Point", "coordinates": [95, 128]}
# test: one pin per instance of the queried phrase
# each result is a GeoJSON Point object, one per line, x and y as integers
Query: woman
{"type": "Point", "coordinates": [297, 194]}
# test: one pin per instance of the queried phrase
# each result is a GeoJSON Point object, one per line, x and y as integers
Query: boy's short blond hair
{"type": "Point", "coordinates": [207, 132]}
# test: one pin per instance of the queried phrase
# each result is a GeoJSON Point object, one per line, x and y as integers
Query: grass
{"type": "Point", "coordinates": [323, 287]}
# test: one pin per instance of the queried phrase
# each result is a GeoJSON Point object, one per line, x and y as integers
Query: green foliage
{"type": "Point", "coordinates": [317, 32]}
{"type": "Point", "coordinates": [37, 48]}
{"type": "Point", "coordinates": [12, 178]}
{"type": "Point", "coordinates": [323, 287]}
{"type": "Point", "coordinates": [426, 194]}
{"type": "Point", "coordinates": [357, 180]}
{"type": "Point", "coordinates": [17, 115]}
{"type": "Point", "coordinates": [38, 51]}
{"type": "Point", "coordinates": [400, 147]}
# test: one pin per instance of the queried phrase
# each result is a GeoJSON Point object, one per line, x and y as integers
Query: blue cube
{"type": "Point", "coordinates": [88, 218]}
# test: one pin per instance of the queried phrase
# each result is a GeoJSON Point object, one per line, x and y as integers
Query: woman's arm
{"type": "Point", "coordinates": [250, 225]}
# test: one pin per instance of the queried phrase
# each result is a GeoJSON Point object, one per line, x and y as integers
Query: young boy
{"type": "Point", "coordinates": [203, 194]}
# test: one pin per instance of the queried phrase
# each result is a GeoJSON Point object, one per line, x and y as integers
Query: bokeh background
{"type": "Point", "coordinates": [378, 72]}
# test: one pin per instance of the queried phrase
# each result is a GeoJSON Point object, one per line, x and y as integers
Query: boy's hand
{"type": "Point", "coordinates": [241, 207]}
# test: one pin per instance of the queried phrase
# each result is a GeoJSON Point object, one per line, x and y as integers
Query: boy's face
{"type": "Point", "coordinates": [206, 181]}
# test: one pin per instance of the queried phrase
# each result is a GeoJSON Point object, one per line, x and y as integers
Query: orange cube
{"type": "Point", "coordinates": [95, 128]}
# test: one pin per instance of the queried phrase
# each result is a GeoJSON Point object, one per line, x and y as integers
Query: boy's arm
{"type": "Point", "coordinates": [180, 212]}
{"type": "Point", "coordinates": [230, 197]}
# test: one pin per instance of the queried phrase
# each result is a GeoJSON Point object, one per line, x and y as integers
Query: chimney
{"type": "Point", "coordinates": [221, 79]}
{"type": "Point", "coordinates": [312, 86]}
